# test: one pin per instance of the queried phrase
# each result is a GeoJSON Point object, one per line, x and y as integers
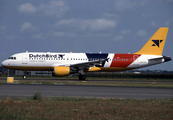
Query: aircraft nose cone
{"type": "Point", "coordinates": [4, 63]}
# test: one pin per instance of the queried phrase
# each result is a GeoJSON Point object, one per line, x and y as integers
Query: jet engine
{"type": "Point", "coordinates": [61, 71]}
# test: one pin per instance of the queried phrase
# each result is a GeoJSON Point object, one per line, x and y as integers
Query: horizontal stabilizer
{"type": "Point", "coordinates": [166, 58]}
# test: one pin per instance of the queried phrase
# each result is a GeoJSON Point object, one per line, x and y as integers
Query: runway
{"type": "Point", "coordinates": [28, 90]}
{"type": "Point", "coordinates": [132, 80]}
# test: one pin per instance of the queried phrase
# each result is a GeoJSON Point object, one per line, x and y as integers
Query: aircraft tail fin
{"type": "Point", "coordinates": [155, 44]}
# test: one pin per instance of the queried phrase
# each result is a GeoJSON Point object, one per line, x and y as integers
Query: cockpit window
{"type": "Point", "coordinates": [12, 58]}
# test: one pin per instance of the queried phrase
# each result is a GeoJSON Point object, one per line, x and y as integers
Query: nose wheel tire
{"type": "Point", "coordinates": [24, 77]}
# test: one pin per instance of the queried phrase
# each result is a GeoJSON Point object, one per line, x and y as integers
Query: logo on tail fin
{"type": "Point", "coordinates": [156, 42]}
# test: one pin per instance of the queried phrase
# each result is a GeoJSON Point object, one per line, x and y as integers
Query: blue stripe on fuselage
{"type": "Point", "coordinates": [96, 56]}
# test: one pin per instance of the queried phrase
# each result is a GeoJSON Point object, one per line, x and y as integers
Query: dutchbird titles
{"type": "Point", "coordinates": [43, 57]}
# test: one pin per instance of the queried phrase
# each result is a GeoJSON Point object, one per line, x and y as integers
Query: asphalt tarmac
{"type": "Point", "coordinates": [28, 90]}
{"type": "Point", "coordinates": [133, 80]}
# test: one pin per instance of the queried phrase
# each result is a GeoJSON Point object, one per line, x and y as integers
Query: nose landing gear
{"type": "Point", "coordinates": [24, 76]}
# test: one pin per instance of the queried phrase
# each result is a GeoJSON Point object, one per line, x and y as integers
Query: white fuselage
{"type": "Point", "coordinates": [46, 61]}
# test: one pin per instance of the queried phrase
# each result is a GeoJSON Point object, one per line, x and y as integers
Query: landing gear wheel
{"type": "Point", "coordinates": [82, 77]}
{"type": "Point", "coordinates": [24, 77]}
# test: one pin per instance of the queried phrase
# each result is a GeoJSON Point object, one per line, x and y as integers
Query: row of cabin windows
{"type": "Point", "coordinates": [61, 59]}
{"type": "Point", "coordinates": [56, 59]}
{"type": "Point", "coordinates": [121, 59]}
{"type": "Point", "coordinates": [74, 59]}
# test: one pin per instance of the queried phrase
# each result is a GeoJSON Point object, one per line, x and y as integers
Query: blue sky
{"type": "Point", "coordinates": [110, 26]}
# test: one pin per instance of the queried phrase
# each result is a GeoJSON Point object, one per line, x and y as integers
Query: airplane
{"type": "Point", "coordinates": [64, 64]}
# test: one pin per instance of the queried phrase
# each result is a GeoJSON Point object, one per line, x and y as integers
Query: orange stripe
{"type": "Point", "coordinates": [49, 68]}
{"type": "Point", "coordinates": [107, 69]}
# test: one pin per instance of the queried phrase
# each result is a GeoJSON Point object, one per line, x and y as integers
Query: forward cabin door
{"type": "Point", "coordinates": [69, 61]}
{"type": "Point", "coordinates": [24, 58]}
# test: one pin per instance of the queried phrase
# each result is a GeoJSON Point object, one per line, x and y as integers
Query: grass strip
{"type": "Point", "coordinates": [95, 83]}
{"type": "Point", "coordinates": [39, 108]}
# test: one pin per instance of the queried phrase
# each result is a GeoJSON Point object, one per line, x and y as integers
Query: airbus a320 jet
{"type": "Point", "coordinates": [64, 64]}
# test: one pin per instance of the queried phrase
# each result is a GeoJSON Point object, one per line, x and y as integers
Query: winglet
{"type": "Point", "coordinates": [155, 44]}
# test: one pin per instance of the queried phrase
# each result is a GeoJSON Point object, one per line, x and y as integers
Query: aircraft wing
{"type": "Point", "coordinates": [88, 64]}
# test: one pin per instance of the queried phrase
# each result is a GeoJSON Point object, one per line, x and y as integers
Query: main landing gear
{"type": "Point", "coordinates": [82, 77]}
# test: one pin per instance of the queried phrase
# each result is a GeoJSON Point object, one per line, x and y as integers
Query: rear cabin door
{"type": "Point", "coordinates": [135, 58]}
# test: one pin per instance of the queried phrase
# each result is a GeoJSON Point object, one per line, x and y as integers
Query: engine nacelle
{"type": "Point", "coordinates": [61, 71]}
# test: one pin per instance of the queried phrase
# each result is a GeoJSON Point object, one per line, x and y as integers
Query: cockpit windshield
{"type": "Point", "coordinates": [12, 58]}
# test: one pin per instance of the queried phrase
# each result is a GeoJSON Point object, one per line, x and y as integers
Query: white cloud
{"type": "Point", "coordinates": [53, 8]}
{"type": "Point", "coordinates": [124, 32]}
{"type": "Point", "coordinates": [93, 24]}
{"type": "Point", "coordinates": [169, 22]}
{"type": "Point", "coordinates": [28, 27]}
{"type": "Point", "coordinates": [110, 15]}
{"type": "Point", "coordinates": [72, 34]}
{"type": "Point", "coordinates": [37, 36]}
{"type": "Point", "coordinates": [169, 1]}
{"type": "Point", "coordinates": [70, 21]}
{"type": "Point", "coordinates": [10, 37]}
{"type": "Point", "coordinates": [27, 7]}
{"type": "Point", "coordinates": [124, 5]}
{"type": "Point", "coordinates": [117, 38]}
{"type": "Point", "coordinates": [98, 24]}
{"type": "Point", "coordinates": [62, 34]}
{"type": "Point", "coordinates": [141, 33]}
{"type": "Point", "coordinates": [103, 35]}
{"type": "Point", "coordinates": [3, 27]}
{"type": "Point", "coordinates": [59, 34]}
{"type": "Point", "coordinates": [153, 23]}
